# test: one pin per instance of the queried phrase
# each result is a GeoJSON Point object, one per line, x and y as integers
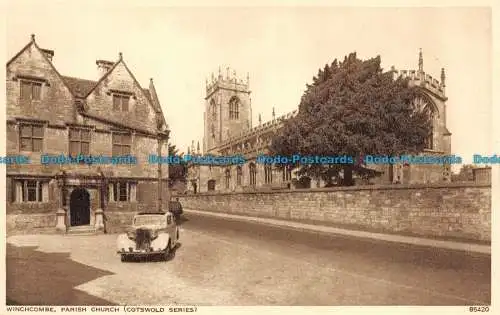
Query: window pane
{"type": "Point", "coordinates": [37, 145]}
{"type": "Point", "coordinates": [31, 187]}
{"type": "Point", "coordinates": [125, 150]}
{"type": "Point", "coordinates": [74, 134]}
{"type": "Point", "coordinates": [38, 131]}
{"type": "Point", "coordinates": [85, 148]}
{"type": "Point", "coordinates": [116, 102]}
{"type": "Point", "coordinates": [115, 191]}
{"type": "Point", "coordinates": [74, 148]}
{"type": "Point", "coordinates": [31, 194]}
{"type": "Point", "coordinates": [125, 104]}
{"type": "Point", "coordinates": [37, 88]}
{"type": "Point", "coordinates": [85, 135]}
{"type": "Point", "coordinates": [116, 150]}
{"type": "Point", "coordinates": [123, 191]}
{"type": "Point", "coordinates": [25, 144]}
{"type": "Point", "coordinates": [26, 131]}
{"type": "Point", "coordinates": [25, 90]}
{"type": "Point", "coordinates": [126, 139]}
{"type": "Point", "coordinates": [117, 138]}
{"type": "Point", "coordinates": [40, 192]}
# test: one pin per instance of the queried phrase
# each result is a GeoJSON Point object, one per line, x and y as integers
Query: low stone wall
{"type": "Point", "coordinates": [30, 223]}
{"type": "Point", "coordinates": [451, 210]}
{"type": "Point", "coordinates": [45, 223]}
{"type": "Point", "coordinates": [118, 221]}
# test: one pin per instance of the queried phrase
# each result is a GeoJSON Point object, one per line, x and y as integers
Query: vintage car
{"type": "Point", "coordinates": [151, 233]}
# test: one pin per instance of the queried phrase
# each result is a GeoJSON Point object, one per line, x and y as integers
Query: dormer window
{"type": "Point", "coordinates": [31, 90]}
{"type": "Point", "coordinates": [121, 102]}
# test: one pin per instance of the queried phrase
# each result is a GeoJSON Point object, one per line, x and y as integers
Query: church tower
{"type": "Point", "coordinates": [227, 108]}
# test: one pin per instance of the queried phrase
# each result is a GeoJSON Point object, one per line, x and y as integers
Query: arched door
{"type": "Point", "coordinates": [79, 207]}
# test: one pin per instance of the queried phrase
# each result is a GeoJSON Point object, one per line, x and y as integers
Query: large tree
{"type": "Point", "coordinates": [176, 172]}
{"type": "Point", "coordinates": [354, 108]}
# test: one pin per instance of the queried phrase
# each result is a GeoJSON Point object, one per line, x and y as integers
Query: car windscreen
{"type": "Point", "coordinates": [150, 220]}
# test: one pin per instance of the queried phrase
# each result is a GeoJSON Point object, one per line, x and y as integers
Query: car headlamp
{"type": "Point", "coordinates": [131, 235]}
{"type": "Point", "coordinates": [154, 234]}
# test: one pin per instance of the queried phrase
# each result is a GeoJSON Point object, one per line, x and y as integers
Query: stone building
{"type": "Point", "coordinates": [229, 131]}
{"type": "Point", "coordinates": [52, 114]}
{"type": "Point", "coordinates": [482, 175]}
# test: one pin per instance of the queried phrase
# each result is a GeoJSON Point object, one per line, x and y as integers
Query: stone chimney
{"type": "Point", "coordinates": [48, 53]}
{"type": "Point", "coordinates": [103, 67]}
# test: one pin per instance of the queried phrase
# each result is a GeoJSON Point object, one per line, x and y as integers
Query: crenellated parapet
{"type": "Point", "coordinates": [229, 81]}
{"type": "Point", "coordinates": [257, 138]}
{"type": "Point", "coordinates": [423, 80]}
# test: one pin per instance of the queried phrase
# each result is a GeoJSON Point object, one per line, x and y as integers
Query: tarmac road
{"type": "Point", "coordinates": [225, 262]}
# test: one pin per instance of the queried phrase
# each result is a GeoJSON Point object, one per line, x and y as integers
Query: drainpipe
{"type": "Point", "coordinates": [162, 138]}
{"type": "Point", "coordinates": [159, 201]}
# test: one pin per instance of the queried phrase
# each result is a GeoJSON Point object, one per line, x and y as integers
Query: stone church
{"type": "Point", "coordinates": [229, 131]}
{"type": "Point", "coordinates": [54, 114]}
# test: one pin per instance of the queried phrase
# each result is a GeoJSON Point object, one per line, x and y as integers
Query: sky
{"type": "Point", "coordinates": [280, 47]}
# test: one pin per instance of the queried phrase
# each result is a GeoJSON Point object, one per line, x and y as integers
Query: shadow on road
{"type": "Point", "coordinates": [37, 278]}
{"type": "Point", "coordinates": [182, 220]}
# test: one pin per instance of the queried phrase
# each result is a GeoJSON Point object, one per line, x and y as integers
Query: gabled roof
{"type": "Point", "coordinates": [145, 92]}
{"type": "Point", "coordinates": [148, 95]}
{"type": "Point", "coordinates": [44, 56]}
{"type": "Point", "coordinates": [79, 87]}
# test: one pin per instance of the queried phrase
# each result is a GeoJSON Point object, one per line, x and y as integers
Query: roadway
{"type": "Point", "coordinates": [227, 262]}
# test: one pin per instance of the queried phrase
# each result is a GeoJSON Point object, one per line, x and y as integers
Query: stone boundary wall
{"type": "Point", "coordinates": [434, 210]}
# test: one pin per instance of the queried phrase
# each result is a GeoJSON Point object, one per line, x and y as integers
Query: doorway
{"type": "Point", "coordinates": [79, 207]}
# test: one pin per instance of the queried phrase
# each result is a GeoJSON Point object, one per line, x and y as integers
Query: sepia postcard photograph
{"type": "Point", "coordinates": [162, 157]}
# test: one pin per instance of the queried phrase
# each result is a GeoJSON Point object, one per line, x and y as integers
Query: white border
{"type": "Point", "coordinates": [239, 3]}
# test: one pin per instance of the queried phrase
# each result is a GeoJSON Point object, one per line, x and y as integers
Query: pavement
{"type": "Point", "coordinates": [230, 262]}
{"type": "Point", "coordinates": [468, 247]}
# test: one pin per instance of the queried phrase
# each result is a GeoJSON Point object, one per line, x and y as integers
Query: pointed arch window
{"type": "Point", "coordinates": [423, 104]}
{"type": "Point", "coordinates": [253, 174]}
{"type": "Point", "coordinates": [239, 175]}
{"type": "Point", "coordinates": [228, 178]}
{"type": "Point", "coordinates": [234, 108]}
{"type": "Point", "coordinates": [268, 174]}
{"type": "Point", "coordinates": [287, 174]}
{"type": "Point", "coordinates": [213, 109]}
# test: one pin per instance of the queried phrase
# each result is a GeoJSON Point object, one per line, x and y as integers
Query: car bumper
{"type": "Point", "coordinates": [140, 252]}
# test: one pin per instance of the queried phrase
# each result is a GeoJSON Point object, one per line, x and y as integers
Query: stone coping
{"type": "Point", "coordinates": [347, 188]}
